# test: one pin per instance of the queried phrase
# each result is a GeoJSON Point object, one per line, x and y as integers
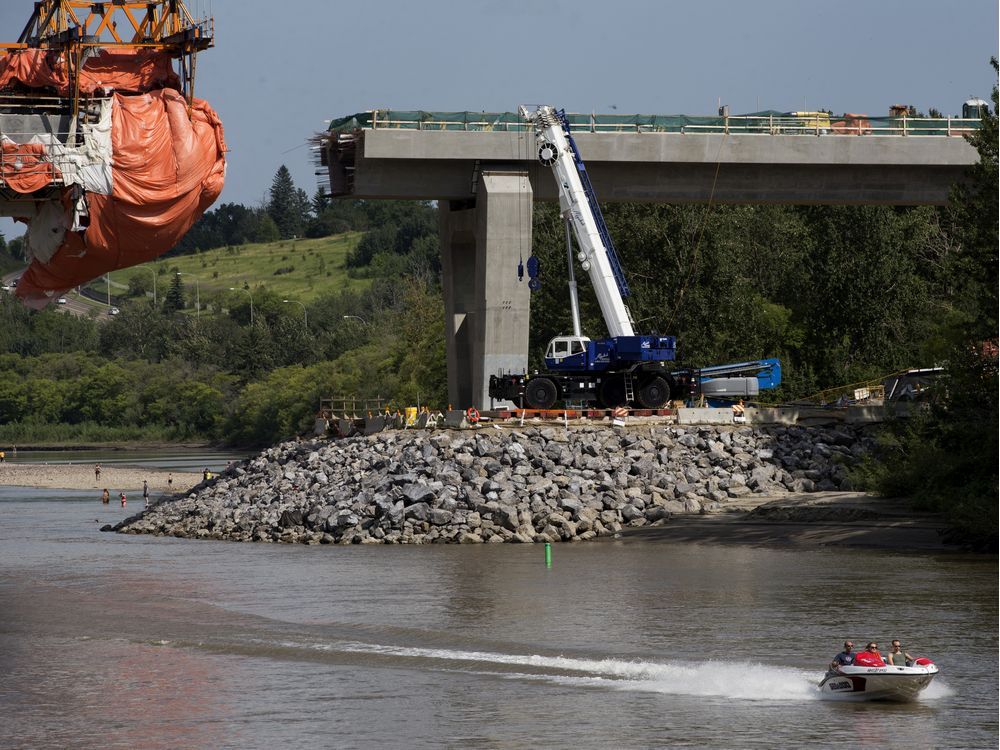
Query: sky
{"type": "Point", "coordinates": [280, 70]}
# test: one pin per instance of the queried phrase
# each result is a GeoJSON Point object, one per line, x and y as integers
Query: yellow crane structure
{"type": "Point", "coordinates": [76, 28]}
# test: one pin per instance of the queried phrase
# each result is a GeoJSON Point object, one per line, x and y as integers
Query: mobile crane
{"type": "Point", "coordinates": [626, 368]}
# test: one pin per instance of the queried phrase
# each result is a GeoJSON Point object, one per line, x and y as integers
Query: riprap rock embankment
{"type": "Point", "coordinates": [500, 485]}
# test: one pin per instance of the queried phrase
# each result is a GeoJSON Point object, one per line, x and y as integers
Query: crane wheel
{"type": "Point", "coordinates": [654, 393]}
{"type": "Point", "coordinates": [541, 393]}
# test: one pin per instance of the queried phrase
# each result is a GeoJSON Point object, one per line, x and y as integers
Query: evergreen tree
{"type": "Point", "coordinates": [320, 201]}
{"type": "Point", "coordinates": [285, 204]}
{"type": "Point", "coordinates": [304, 207]}
{"type": "Point", "coordinates": [175, 296]}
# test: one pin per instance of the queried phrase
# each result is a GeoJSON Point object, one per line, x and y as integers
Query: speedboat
{"type": "Point", "coordinates": [888, 683]}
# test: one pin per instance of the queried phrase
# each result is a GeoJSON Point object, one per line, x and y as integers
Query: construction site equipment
{"type": "Point", "coordinates": [104, 151]}
{"type": "Point", "coordinates": [625, 369]}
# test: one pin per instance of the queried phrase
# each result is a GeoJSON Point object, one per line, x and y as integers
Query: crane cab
{"type": "Point", "coordinates": [567, 352]}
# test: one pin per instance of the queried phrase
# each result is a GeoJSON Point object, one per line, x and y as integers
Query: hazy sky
{"type": "Point", "coordinates": [280, 69]}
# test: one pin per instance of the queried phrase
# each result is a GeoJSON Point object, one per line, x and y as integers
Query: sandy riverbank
{"type": "Point", "coordinates": [81, 477]}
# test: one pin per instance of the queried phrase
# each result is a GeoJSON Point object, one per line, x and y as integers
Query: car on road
{"type": "Point", "coordinates": [113, 311]}
{"type": "Point", "coordinates": [62, 301]}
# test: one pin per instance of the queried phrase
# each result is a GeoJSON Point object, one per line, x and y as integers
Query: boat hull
{"type": "Point", "coordinates": [897, 684]}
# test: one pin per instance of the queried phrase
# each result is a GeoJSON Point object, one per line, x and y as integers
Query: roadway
{"type": "Point", "coordinates": [76, 304]}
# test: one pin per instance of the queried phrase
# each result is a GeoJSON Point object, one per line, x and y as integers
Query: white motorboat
{"type": "Point", "coordinates": [888, 683]}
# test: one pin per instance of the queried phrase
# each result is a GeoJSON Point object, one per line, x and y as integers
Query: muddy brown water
{"type": "Point", "coordinates": [113, 641]}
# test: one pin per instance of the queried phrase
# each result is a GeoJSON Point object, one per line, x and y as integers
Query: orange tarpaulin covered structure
{"type": "Point", "coordinates": [134, 71]}
{"type": "Point", "coordinates": [23, 166]}
{"type": "Point", "coordinates": [130, 194]}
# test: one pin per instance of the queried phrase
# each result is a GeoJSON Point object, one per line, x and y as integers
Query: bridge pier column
{"type": "Point", "coordinates": [486, 307]}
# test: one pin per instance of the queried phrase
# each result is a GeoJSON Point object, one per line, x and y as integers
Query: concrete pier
{"type": "Point", "coordinates": [486, 307]}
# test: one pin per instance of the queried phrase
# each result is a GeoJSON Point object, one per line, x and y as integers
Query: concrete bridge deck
{"type": "Point", "coordinates": [900, 165]}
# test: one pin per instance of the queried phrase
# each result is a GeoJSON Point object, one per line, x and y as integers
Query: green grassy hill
{"type": "Point", "coordinates": [301, 269]}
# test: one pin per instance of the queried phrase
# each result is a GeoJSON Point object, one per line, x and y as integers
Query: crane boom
{"type": "Point", "coordinates": [578, 205]}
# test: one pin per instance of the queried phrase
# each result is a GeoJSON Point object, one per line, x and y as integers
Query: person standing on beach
{"type": "Point", "coordinates": [145, 492]}
{"type": "Point", "coordinates": [105, 496]}
{"type": "Point", "coordinates": [97, 472]}
{"type": "Point", "coordinates": [170, 481]}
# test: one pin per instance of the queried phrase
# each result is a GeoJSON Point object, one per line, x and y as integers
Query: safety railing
{"type": "Point", "coordinates": [768, 124]}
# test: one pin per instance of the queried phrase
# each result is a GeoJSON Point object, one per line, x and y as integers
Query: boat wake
{"type": "Point", "coordinates": [705, 679]}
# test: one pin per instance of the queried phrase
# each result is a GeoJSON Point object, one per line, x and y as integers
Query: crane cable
{"type": "Point", "coordinates": [701, 232]}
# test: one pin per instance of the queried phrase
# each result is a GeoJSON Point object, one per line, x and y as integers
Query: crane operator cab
{"type": "Point", "coordinates": [562, 348]}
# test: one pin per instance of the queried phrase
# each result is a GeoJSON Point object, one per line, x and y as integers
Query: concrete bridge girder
{"type": "Point", "coordinates": [674, 168]}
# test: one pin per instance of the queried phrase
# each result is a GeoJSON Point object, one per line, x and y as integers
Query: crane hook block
{"type": "Point", "coordinates": [520, 270]}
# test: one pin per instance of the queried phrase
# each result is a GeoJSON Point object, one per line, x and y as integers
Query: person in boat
{"type": "Point", "coordinates": [844, 659]}
{"type": "Point", "coordinates": [897, 657]}
{"type": "Point", "coordinates": [870, 657]}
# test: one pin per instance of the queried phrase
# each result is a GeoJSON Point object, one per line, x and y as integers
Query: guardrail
{"type": "Point", "coordinates": [813, 124]}
{"type": "Point", "coordinates": [34, 158]}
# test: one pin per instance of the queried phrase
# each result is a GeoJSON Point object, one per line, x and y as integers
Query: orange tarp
{"type": "Point", "coordinates": [136, 71]}
{"type": "Point", "coordinates": [167, 169]}
{"type": "Point", "coordinates": [852, 124]}
{"type": "Point", "coordinates": [23, 166]}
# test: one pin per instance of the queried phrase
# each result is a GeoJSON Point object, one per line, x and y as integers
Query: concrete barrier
{"type": "Point", "coordinates": [705, 416]}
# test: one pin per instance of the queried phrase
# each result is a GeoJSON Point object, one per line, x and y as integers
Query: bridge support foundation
{"type": "Point", "coordinates": [486, 307]}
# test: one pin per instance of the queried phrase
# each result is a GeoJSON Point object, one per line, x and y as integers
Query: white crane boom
{"type": "Point", "coordinates": [556, 150]}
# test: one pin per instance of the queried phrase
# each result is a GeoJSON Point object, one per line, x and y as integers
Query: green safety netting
{"type": "Point", "coordinates": [768, 121]}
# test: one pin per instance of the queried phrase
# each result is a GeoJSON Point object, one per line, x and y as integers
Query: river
{"type": "Point", "coordinates": [113, 641]}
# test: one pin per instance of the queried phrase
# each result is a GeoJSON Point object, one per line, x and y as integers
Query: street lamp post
{"type": "Point", "coordinates": [305, 315]}
{"type": "Point", "coordinates": [197, 293]}
{"type": "Point", "coordinates": [234, 289]}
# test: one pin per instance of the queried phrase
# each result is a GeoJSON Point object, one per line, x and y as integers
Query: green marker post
{"type": "Point", "coordinates": [548, 555]}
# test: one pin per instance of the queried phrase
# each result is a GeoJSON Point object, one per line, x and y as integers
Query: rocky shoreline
{"type": "Point", "coordinates": [496, 485]}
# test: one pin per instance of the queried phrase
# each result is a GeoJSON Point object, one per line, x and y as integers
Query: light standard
{"type": "Point", "coordinates": [197, 292]}
{"type": "Point", "coordinates": [305, 315]}
{"type": "Point", "coordinates": [356, 317]}
{"type": "Point", "coordinates": [234, 289]}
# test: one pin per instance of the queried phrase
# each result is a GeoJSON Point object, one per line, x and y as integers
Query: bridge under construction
{"type": "Point", "coordinates": [482, 170]}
